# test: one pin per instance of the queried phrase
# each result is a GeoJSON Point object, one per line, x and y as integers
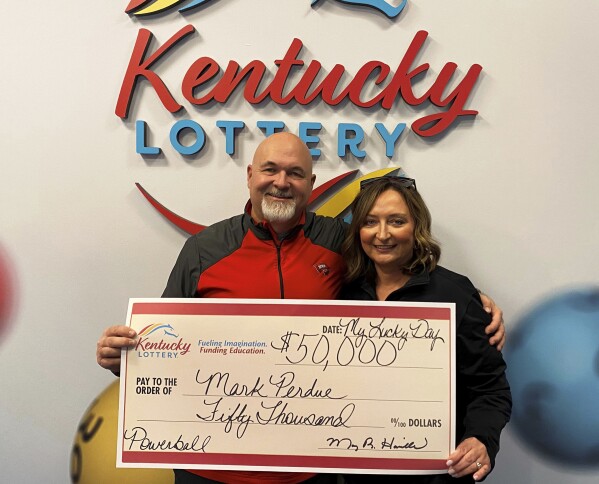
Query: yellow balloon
{"type": "Point", "coordinates": [93, 456]}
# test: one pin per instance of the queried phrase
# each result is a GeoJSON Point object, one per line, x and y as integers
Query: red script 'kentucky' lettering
{"type": "Point", "coordinates": [370, 78]}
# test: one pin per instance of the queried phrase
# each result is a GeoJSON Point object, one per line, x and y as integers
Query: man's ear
{"type": "Point", "coordinates": [249, 174]}
{"type": "Point", "coordinates": [313, 180]}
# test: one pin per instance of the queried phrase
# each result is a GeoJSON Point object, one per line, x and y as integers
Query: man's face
{"type": "Point", "coordinates": [280, 181]}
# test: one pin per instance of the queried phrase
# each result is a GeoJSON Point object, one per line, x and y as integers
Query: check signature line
{"type": "Point", "coordinates": [364, 366]}
{"type": "Point", "coordinates": [384, 450]}
{"type": "Point", "coordinates": [313, 398]}
{"type": "Point", "coordinates": [252, 423]}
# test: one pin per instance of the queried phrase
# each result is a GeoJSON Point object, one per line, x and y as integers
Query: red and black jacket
{"type": "Point", "coordinates": [237, 258]}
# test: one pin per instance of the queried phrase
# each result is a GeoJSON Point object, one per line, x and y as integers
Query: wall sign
{"type": "Point", "coordinates": [291, 79]}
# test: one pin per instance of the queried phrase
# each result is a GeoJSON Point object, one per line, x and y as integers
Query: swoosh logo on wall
{"type": "Point", "coordinates": [381, 5]}
{"type": "Point", "coordinates": [148, 7]}
{"type": "Point", "coordinates": [333, 206]}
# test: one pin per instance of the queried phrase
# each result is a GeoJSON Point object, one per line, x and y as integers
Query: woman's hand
{"type": "Point", "coordinates": [470, 457]}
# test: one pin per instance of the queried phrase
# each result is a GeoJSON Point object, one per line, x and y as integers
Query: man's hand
{"type": "Point", "coordinates": [110, 344]}
{"type": "Point", "coordinates": [470, 457]}
{"type": "Point", "coordinates": [496, 327]}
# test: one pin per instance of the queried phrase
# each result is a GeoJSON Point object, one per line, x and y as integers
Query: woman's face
{"type": "Point", "coordinates": [387, 235]}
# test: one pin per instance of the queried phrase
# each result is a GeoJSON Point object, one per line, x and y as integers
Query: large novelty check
{"type": "Point", "coordinates": [323, 386]}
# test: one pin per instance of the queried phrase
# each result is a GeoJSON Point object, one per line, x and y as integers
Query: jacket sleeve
{"type": "Point", "coordinates": [183, 280]}
{"type": "Point", "coordinates": [482, 387]}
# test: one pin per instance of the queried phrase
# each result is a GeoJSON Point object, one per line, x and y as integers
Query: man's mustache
{"type": "Point", "coordinates": [280, 193]}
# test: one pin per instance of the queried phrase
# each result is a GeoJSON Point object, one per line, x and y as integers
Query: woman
{"type": "Point", "coordinates": [392, 256]}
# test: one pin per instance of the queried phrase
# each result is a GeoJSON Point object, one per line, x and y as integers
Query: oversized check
{"type": "Point", "coordinates": [323, 386]}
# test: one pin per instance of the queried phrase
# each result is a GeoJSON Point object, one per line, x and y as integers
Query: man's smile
{"type": "Point", "coordinates": [278, 195]}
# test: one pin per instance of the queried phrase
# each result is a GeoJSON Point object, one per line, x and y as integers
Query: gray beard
{"type": "Point", "coordinates": [278, 212]}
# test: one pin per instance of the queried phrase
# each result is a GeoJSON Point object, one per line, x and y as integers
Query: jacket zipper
{"type": "Point", "coordinates": [281, 286]}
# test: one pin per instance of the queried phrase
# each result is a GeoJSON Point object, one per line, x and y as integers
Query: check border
{"type": "Point", "coordinates": [283, 462]}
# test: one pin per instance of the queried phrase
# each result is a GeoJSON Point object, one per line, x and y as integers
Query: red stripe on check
{"type": "Point", "coordinates": [290, 310]}
{"type": "Point", "coordinates": [191, 458]}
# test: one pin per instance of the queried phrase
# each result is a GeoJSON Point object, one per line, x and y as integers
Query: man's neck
{"type": "Point", "coordinates": [280, 229]}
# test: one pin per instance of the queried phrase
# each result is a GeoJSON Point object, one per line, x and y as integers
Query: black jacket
{"type": "Point", "coordinates": [483, 398]}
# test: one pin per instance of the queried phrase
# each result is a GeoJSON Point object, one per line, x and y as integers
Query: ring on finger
{"type": "Point", "coordinates": [478, 465]}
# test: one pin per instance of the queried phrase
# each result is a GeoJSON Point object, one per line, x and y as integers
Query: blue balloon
{"type": "Point", "coordinates": [553, 369]}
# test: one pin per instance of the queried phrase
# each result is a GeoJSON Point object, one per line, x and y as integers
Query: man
{"type": "Point", "coordinates": [275, 249]}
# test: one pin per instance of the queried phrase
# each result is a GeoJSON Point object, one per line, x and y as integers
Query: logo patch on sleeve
{"type": "Point", "coordinates": [322, 268]}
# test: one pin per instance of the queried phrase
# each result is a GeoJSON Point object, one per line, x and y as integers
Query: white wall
{"type": "Point", "coordinates": [513, 192]}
